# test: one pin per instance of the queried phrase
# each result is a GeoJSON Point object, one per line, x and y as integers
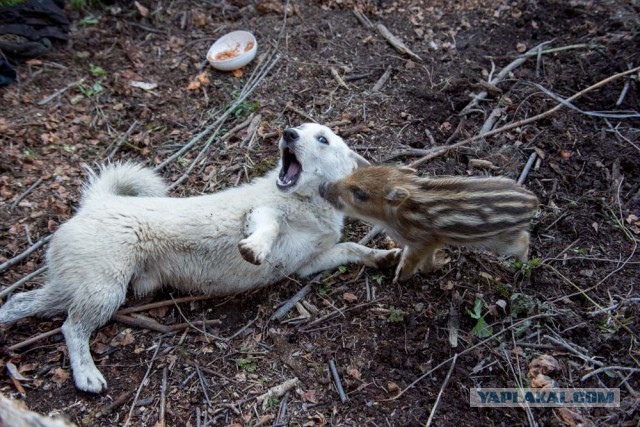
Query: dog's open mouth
{"type": "Point", "coordinates": [291, 170]}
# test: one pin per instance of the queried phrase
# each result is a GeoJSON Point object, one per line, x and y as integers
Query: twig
{"type": "Point", "coordinates": [22, 281]}
{"type": "Point", "coordinates": [37, 338]}
{"type": "Point", "coordinates": [473, 347]}
{"type": "Point", "coordinates": [439, 151]}
{"type": "Point", "coordinates": [300, 295]}
{"type": "Point", "coordinates": [609, 368]}
{"type": "Point", "coordinates": [382, 80]}
{"type": "Point", "coordinates": [301, 113]}
{"type": "Point", "coordinates": [24, 254]}
{"type": "Point", "coordinates": [623, 94]}
{"type": "Point", "coordinates": [61, 91]}
{"type": "Point", "coordinates": [336, 378]}
{"type": "Point", "coordinates": [444, 384]}
{"type": "Point", "coordinates": [163, 399]}
{"type": "Point", "coordinates": [122, 139]}
{"type": "Point", "coordinates": [142, 383]}
{"type": "Point", "coordinates": [370, 235]}
{"type": "Point", "coordinates": [573, 350]}
{"type": "Point", "coordinates": [140, 322]}
{"type": "Point", "coordinates": [119, 401]}
{"type": "Point", "coordinates": [607, 115]}
{"type": "Point", "coordinates": [396, 42]}
{"type": "Point", "coordinates": [501, 75]}
{"type": "Point", "coordinates": [613, 307]}
{"type": "Point", "coordinates": [560, 49]}
{"type": "Point", "coordinates": [527, 168]}
{"type": "Point", "coordinates": [203, 385]}
{"type": "Point", "coordinates": [25, 193]}
{"type": "Point", "coordinates": [165, 303]}
{"type": "Point", "coordinates": [362, 18]}
{"type": "Point", "coordinates": [336, 76]}
{"type": "Point", "coordinates": [491, 120]}
{"type": "Point", "coordinates": [277, 391]}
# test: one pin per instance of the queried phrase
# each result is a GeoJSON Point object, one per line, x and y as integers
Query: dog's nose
{"type": "Point", "coordinates": [290, 135]}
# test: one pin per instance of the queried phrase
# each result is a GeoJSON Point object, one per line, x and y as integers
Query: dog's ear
{"type": "Point", "coordinates": [397, 195]}
{"type": "Point", "coordinates": [359, 161]}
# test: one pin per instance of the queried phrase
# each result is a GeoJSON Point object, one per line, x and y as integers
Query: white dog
{"type": "Point", "coordinates": [128, 231]}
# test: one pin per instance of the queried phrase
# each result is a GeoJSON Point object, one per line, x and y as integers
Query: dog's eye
{"type": "Point", "coordinates": [359, 194]}
{"type": "Point", "coordinates": [323, 140]}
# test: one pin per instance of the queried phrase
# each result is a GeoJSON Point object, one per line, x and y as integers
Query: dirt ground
{"type": "Point", "coordinates": [576, 300]}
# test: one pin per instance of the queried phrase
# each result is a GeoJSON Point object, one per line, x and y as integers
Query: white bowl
{"type": "Point", "coordinates": [232, 51]}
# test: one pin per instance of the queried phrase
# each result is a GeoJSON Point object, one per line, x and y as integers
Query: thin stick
{"type": "Point", "coordinates": [300, 295]}
{"type": "Point", "coordinates": [61, 91]}
{"type": "Point", "coordinates": [560, 49]}
{"type": "Point", "coordinates": [203, 385]}
{"type": "Point", "coordinates": [301, 113]}
{"type": "Point", "coordinates": [444, 384]}
{"type": "Point", "coordinates": [122, 139]}
{"type": "Point", "coordinates": [439, 151]}
{"type": "Point", "coordinates": [37, 338]}
{"type": "Point", "coordinates": [623, 94]}
{"type": "Point", "coordinates": [119, 401]}
{"type": "Point", "coordinates": [382, 80]}
{"type": "Point", "coordinates": [163, 398]}
{"type": "Point", "coordinates": [396, 42]}
{"type": "Point", "coordinates": [141, 323]}
{"type": "Point", "coordinates": [24, 254]}
{"type": "Point", "coordinates": [370, 235]}
{"type": "Point", "coordinates": [26, 192]}
{"type": "Point", "coordinates": [336, 76]}
{"type": "Point", "coordinates": [473, 347]}
{"type": "Point", "coordinates": [609, 368]}
{"type": "Point", "coordinates": [501, 75]}
{"type": "Point", "coordinates": [22, 281]}
{"type": "Point", "coordinates": [336, 378]}
{"type": "Point", "coordinates": [527, 168]}
{"type": "Point", "coordinates": [362, 18]}
{"type": "Point", "coordinates": [277, 391]}
{"type": "Point", "coordinates": [165, 303]}
{"type": "Point", "coordinates": [146, 375]}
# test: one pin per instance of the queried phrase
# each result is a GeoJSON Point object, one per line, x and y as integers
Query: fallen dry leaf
{"type": "Point", "coordinates": [521, 47]}
{"type": "Point", "coordinates": [144, 11]}
{"type": "Point", "coordinates": [354, 373]}
{"type": "Point", "coordinates": [543, 381]}
{"type": "Point", "coordinates": [571, 417]}
{"type": "Point", "coordinates": [393, 387]}
{"type": "Point", "coordinates": [237, 73]}
{"type": "Point", "coordinates": [193, 85]}
{"type": "Point", "coordinates": [59, 375]}
{"type": "Point", "coordinates": [310, 396]}
{"type": "Point", "coordinates": [349, 297]}
{"type": "Point", "coordinates": [543, 364]}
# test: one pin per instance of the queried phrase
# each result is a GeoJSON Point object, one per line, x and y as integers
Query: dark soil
{"type": "Point", "coordinates": [382, 337]}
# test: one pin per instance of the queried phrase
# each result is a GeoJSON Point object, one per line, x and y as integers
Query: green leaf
{"type": "Point", "coordinates": [97, 71]}
{"type": "Point", "coordinates": [477, 310]}
{"type": "Point", "coordinates": [482, 329]}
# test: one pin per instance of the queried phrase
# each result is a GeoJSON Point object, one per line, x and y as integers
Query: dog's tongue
{"type": "Point", "coordinates": [294, 169]}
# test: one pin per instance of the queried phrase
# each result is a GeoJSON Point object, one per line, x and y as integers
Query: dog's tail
{"type": "Point", "coordinates": [123, 179]}
{"type": "Point", "coordinates": [36, 302]}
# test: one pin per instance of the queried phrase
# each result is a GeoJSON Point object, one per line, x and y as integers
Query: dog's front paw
{"type": "Point", "coordinates": [253, 252]}
{"type": "Point", "coordinates": [89, 379]}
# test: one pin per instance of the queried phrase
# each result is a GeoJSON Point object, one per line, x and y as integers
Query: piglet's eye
{"type": "Point", "coordinates": [323, 140]}
{"type": "Point", "coordinates": [359, 194]}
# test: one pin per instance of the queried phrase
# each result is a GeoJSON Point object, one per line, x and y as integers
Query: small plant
{"type": "Point", "coordinates": [97, 71]}
{"type": "Point", "coordinates": [395, 315]}
{"type": "Point", "coordinates": [323, 289]}
{"type": "Point", "coordinates": [247, 364]}
{"type": "Point", "coordinates": [272, 401]}
{"type": "Point", "coordinates": [89, 20]}
{"type": "Point", "coordinates": [342, 269]}
{"type": "Point", "coordinates": [482, 328]}
{"type": "Point", "coordinates": [527, 267]}
{"type": "Point", "coordinates": [378, 278]}
{"type": "Point", "coordinates": [245, 108]}
{"type": "Point", "coordinates": [89, 91]}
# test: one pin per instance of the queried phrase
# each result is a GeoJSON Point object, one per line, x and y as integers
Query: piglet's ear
{"type": "Point", "coordinates": [397, 195]}
{"type": "Point", "coordinates": [407, 170]}
{"type": "Point", "coordinates": [359, 161]}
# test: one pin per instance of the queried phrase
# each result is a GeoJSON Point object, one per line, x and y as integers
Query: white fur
{"type": "Point", "coordinates": [192, 244]}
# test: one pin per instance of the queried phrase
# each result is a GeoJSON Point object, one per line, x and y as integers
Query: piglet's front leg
{"type": "Point", "coordinates": [261, 227]}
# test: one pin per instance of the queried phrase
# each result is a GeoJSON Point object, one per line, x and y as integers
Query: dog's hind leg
{"type": "Point", "coordinates": [89, 311]}
{"type": "Point", "coordinates": [349, 252]}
